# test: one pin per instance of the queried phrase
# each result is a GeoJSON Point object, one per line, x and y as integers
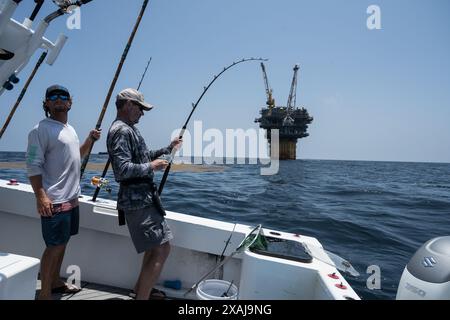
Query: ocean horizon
{"type": "Point", "coordinates": [202, 159]}
{"type": "Point", "coordinates": [372, 213]}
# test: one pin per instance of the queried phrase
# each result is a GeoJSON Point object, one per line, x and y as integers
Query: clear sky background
{"type": "Point", "coordinates": [374, 94]}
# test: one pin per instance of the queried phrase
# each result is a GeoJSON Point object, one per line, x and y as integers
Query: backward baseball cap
{"type": "Point", "coordinates": [135, 96]}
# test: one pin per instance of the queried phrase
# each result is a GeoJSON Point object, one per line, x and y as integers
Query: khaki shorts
{"type": "Point", "coordinates": [148, 228]}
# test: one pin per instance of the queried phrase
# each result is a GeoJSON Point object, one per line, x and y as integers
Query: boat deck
{"type": "Point", "coordinates": [91, 291]}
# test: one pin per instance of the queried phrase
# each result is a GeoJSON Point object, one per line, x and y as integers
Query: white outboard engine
{"type": "Point", "coordinates": [427, 275]}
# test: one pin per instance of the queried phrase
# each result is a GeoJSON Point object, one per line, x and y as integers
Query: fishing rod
{"type": "Point", "coordinates": [222, 255]}
{"type": "Point", "coordinates": [36, 10]}
{"type": "Point", "coordinates": [34, 40]}
{"type": "Point", "coordinates": [194, 106]}
{"type": "Point", "coordinates": [143, 75]}
{"type": "Point", "coordinates": [113, 83]}
{"type": "Point", "coordinates": [22, 93]}
{"type": "Point", "coordinates": [100, 182]}
{"type": "Point", "coordinates": [248, 241]}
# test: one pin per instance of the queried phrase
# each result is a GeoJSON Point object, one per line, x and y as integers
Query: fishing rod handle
{"type": "Point", "coordinates": [164, 178]}
{"type": "Point", "coordinates": [174, 150]}
{"type": "Point", "coordinates": [86, 160]}
{"type": "Point", "coordinates": [166, 172]}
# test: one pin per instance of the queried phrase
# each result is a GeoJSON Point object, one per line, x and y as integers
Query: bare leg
{"type": "Point", "coordinates": [152, 265]}
{"type": "Point", "coordinates": [49, 264]}
{"type": "Point", "coordinates": [57, 281]}
{"type": "Point", "coordinates": [145, 261]}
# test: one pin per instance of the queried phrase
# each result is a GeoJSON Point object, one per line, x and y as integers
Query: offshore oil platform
{"type": "Point", "coordinates": [292, 122]}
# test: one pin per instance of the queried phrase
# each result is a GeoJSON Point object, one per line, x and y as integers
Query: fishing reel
{"type": "Point", "coordinates": [167, 157]}
{"type": "Point", "coordinates": [65, 5]}
{"type": "Point", "coordinates": [62, 3]}
{"type": "Point", "coordinates": [102, 183]}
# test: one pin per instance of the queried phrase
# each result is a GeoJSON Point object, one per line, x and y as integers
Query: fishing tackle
{"type": "Point", "coordinates": [194, 106]}
{"type": "Point", "coordinates": [101, 182]}
{"type": "Point", "coordinates": [23, 41]}
{"type": "Point", "coordinates": [248, 241]}
{"type": "Point", "coordinates": [65, 6]}
{"type": "Point", "coordinates": [113, 83]}
{"type": "Point", "coordinates": [105, 170]}
{"type": "Point", "coordinates": [22, 93]}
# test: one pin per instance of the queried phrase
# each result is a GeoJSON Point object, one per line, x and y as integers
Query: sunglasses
{"type": "Point", "coordinates": [55, 97]}
{"type": "Point", "coordinates": [138, 105]}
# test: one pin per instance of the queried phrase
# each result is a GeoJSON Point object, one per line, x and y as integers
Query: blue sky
{"type": "Point", "coordinates": [374, 94]}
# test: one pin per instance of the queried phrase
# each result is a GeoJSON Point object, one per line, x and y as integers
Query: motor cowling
{"type": "Point", "coordinates": [427, 275]}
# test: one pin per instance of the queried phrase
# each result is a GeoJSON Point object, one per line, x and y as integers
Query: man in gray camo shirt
{"type": "Point", "coordinates": [134, 167]}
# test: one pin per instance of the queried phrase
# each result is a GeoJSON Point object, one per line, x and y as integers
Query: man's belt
{"type": "Point", "coordinates": [131, 181]}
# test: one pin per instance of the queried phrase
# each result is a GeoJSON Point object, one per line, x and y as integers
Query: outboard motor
{"type": "Point", "coordinates": [427, 275]}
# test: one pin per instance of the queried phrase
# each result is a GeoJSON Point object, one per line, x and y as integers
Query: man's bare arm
{"type": "Point", "coordinates": [43, 203]}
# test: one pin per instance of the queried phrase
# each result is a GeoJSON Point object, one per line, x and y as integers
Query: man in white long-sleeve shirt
{"type": "Point", "coordinates": [53, 163]}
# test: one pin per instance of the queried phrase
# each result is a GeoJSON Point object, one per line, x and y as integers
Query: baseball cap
{"type": "Point", "coordinates": [136, 96]}
{"type": "Point", "coordinates": [56, 89]}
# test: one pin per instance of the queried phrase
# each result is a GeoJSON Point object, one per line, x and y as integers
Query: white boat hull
{"type": "Point", "coordinates": [105, 254]}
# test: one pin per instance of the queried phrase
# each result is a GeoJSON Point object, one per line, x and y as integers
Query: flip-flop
{"type": "Point", "coordinates": [155, 294]}
{"type": "Point", "coordinates": [66, 288]}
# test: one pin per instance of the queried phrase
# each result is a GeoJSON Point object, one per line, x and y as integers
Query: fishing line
{"type": "Point", "coordinates": [194, 106]}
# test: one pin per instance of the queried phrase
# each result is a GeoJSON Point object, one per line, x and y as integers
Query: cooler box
{"type": "Point", "coordinates": [18, 277]}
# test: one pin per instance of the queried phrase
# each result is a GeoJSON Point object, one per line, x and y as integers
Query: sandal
{"type": "Point", "coordinates": [66, 288]}
{"type": "Point", "coordinates": [155, 294]}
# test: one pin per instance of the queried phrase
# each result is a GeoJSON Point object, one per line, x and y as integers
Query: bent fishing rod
{"type": "Point", "coordinates": [113, 83]}
{"type": "Point", "coordinates": [194, 106]}
{"type": "Point", "coordinates": [22, 93]}
{"type": "Point", "coordinates": [101, 181]}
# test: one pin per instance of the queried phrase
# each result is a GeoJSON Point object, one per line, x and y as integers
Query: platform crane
{"type": "Point", "coordinates": [270, 100]}
{"type": "Point", "coordinates": [290, 106]}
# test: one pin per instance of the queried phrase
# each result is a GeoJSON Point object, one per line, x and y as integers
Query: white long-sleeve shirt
{"type": "Point", "coordinates": [54, 153]}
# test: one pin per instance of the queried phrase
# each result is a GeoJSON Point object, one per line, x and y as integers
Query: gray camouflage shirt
{"type": "Point", "coordinates": [130, 159]}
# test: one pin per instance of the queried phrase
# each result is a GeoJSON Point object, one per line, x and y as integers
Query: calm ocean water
{"type": "Point", "coordinates": [371, 213]}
